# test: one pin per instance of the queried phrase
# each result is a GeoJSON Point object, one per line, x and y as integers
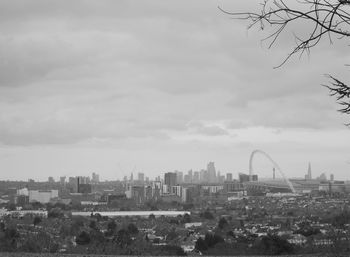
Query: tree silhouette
{"type": "Point", "coordinates": [325, 19]}
{"type": "Point", "coordinates": [36, 220]}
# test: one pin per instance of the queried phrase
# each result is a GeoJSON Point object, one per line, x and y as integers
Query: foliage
{"type": "Point", "coordinates": [306, 230]}
{"type": "Point", "coordinates": [222, 223]}
{"type": "Point", "coordinates": [339, 219]}
{"type": "Point", "coordinates": [55, 213]}
{"type": "Point", "coordinates": [207, 215]}
{"type": "Point", "coordinates": [272, 245]}
{"type": "Point", "coordinates": [123, 238]}
{"type": "Point", "coordinates": [210, 240]}
{"type": "Point", "coordinates": [36, 220]}
{"type": "Point", "coordinates": [132, 229]}
{"type": "Point", "coordinates": [186, 218]}
{"type": "Point", "coordinates": [83, 238]}
{"type": "Point", "coordinates": [201, 245]}
{"type": "Point", "coordinates": [11, 207]}
{"type": "Point", "coordinates": [93, 224]}
{"type": "Point", "coordinates": [111, 226]}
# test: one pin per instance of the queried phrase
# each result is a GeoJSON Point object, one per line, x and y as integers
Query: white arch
{"type": "Point", "coordinates": [274, 164]}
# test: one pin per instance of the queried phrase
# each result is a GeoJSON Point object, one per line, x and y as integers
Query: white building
{"type": "Point", "coordinates": [177, 190]}
{"type": "Point", "coordinates": [42, 196]}
{"type": "Point", "coordinates": [23, 191]}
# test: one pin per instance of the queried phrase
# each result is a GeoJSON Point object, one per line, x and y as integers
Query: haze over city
{"type": "Point", "coordinates": [106, 86]}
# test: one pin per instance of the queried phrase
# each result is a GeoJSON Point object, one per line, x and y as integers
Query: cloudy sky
{"type": "Point", "coordinates": [155, 86]}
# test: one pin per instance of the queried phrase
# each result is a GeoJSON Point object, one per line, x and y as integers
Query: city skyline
{"type": "Point", "coordinates": [203, 175]}
{"type": "Point", "coordinates": [106, 86]}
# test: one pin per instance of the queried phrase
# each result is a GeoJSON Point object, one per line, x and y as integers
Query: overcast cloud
{"type": "Point", "coordinates": [102, 86]}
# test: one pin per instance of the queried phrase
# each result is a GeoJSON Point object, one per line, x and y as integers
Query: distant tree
{"type": "Point", "coordinates": [320, 18]}
{"type": "Point", "coordinates": [83, 238]}
{"type": "Point", "coordinates": [213, 239]}
{"type": "Point", "coordinates": [11, 207]}
{"type": "Point", "coordinates": [186, 218]}
{"type": "Point", "coordinates": [36, 220]}
{"type": "Point", "coordinates": [2, 226]}
{"type": "Point", "coordinates": [93, 224]}
{"type": "Point", "coordinates": [76, 225]}
{"type": "Point", "coordinates": [151, 216]}
{"type": "Point", "coordinates": [37, 205]}
{"type": "Point", "coordinates": [132, 229]}
{"type": "Point", "coordinates": [11, 233]}
{"type": "Point", "coordinates": [97, 236]}
{"type": "Point", "coordinates": [222, 223]}
{"type": "Point", "coordinates": [272, 245]}
{"type": "Point", "coordinates": [172, 235]}
{"type": "Point", "coordinates": [307, 230]}
{"type": "Point", "coordinates": [340, 219]}
{"type": "Point", "coordinates": [31, 245]}
{"type": "Point", "coordinates": [55, 213]}
{"type": "Point", "coordinates": [98, 217]}
{"type": "Point", "coordinates": [207, 215]}
{"type": "Point", "coordinates": [8, 239]}
{"type": "Point", "coordinates": [111, 226]}
{"type": "Point", "coordinates": [152, 205]}
{"type": "Point", "coordinates": [201, 245]}
{"type": "Point", "coordinates": [123, 238]}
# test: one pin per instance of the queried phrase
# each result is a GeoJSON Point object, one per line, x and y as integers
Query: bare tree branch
{"type": "Point", "coordinates": [330, 18]}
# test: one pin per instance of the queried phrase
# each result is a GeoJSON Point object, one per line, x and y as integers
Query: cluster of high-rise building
{"type": "Point", "coordinates": [174, 186]}
{"type": "Point", "coordinates": [180, 187]}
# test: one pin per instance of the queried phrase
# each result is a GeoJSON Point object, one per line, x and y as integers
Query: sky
{"type": "Point", "coordinates": [155, 86]}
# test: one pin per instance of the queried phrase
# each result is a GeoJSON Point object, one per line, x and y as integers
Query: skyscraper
{"type": "Point", "coordinates": [211, 172]}
{"type": "Point", "coordinates": [51, 180]}
{"type": "Point", "coordinates": [141, 176]}
{"type": "Point", "coordinates": [309, 175]}
{"type": "Point", "coordinates": [179, 177]}
{"type": "Point", "coordinates": [195, 177]}
{"type": "Point", "coordinates": [63, 180]}
{"type": "Point", "coordinates": [95, 178]}
{"type": "Point", "coordinates": [170, 179]}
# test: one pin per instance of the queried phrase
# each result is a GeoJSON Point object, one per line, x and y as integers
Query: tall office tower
{"type": "Point", "coordinates": [170, 179]}
{"type": "Point", "coordinates": [322, 177]}
{"type": "Point", "coordinates": [83, 185]}
{"type": "Point", "coordinates": [228, 176]}
{"type": "Point", "coordinates": [196, 177]}
{"type": "Point", "coordinates": [331, 177]}
{"type": "Point", "coordinates": [72, 184]}
{"type": "Point", "coordinates": [51, 180]}
{"type": "Point", "coordinates": [273, 173]}
{"type": "Point", "coordinates": [203, 176]}
{"type": "Point", "coordinates": [211, 172]}
{"type": "Point", "coordinates": [179, 177]}
{"type": "Point", "coordinates": [63, 180]}
{"type": "Point", "coordinates": [132, 177]}
{"type": "Point", "coordinates": [243, 177]}
{"type": "Point", "coordinates": [95, 178]}
{"type": "Point", "coordinates": [187, 179]}
{"type": "Point", "coordinates": [309, 171]}
{"type": "Point", "coordinates": [190, 176]}
{"type": "Point", "coordinates": [141, 176]}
